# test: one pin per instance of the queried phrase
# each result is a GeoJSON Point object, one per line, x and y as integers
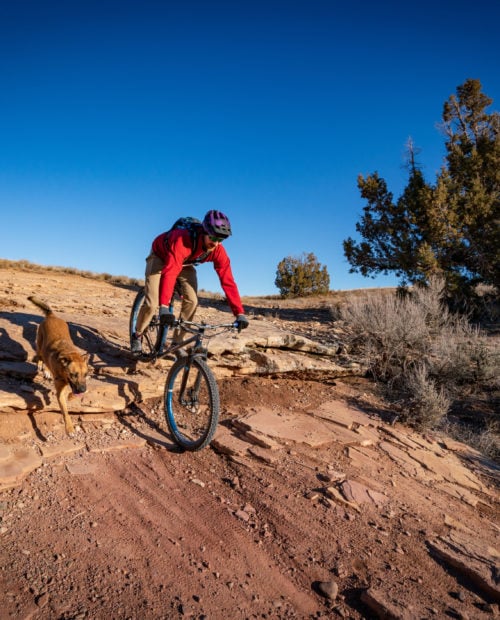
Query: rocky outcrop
{"type": "Point", "coordinates": [98, 319]}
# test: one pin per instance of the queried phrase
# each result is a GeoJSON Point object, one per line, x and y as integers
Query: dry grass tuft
{"type": "Point", "coordinates": [25, 265]}
{"type": "Point", "coordinates": [428, 359]}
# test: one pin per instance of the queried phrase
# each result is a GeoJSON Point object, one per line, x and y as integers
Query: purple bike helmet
{"type": "Point", "coordinates": [216, 224]}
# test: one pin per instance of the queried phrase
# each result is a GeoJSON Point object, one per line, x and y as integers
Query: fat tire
{"type": "Point", "coordinates": [204, 434]}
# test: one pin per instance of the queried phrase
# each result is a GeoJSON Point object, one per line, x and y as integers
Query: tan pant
{"type": "Point", "coordinates": [187, 283]}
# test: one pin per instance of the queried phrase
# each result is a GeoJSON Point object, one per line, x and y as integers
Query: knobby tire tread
{"type": "Point", "coordinates": [213, 391]}
{"type": "Point", "coordinates": [138, 301]}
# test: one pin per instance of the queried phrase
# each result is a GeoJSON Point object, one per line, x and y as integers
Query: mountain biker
{"type": "Point", "coordinates": [171, 263]}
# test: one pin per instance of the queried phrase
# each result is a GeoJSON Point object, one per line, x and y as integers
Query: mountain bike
{"type": "Point", "coordinates": [191, 396]}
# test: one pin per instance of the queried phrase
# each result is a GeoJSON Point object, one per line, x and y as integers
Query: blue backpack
{"type": "Point", "coordinates": [195, 227]}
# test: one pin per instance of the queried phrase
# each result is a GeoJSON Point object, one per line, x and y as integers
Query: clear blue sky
{"type": "Point", "coordinates": [116, 117]}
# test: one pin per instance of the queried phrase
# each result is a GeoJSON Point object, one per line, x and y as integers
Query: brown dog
{"type": "Point", "coordinates": [58, 357]}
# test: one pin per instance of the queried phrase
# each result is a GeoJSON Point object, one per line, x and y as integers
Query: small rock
{"type": "Point", "coordinates": [42, 599]}
{"type": "Point", "coordinates": [328, 589]}
{"type": "Point", "coordinates": [312, 495]}
{"type": "Point", "coordinates": [198, 482]}
{"type": "Point", "coordinates": [234, 483]}
{"type": "Point", "coordinates": [241, 514]}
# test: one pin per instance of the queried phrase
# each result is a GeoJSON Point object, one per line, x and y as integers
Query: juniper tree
{"type": "Point", "coordinates": [301, 276]}
{"type": "Point", "coordinates": [451, 228]}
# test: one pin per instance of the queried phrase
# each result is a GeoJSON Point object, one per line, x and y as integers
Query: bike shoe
{"type": "Point", "coordinates": [136, 347]}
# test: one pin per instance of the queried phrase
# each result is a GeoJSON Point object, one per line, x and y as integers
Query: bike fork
{"type": "Point", "coordinates": [192, 395]}
{"type": "Point", "coordinates": [185, 377]}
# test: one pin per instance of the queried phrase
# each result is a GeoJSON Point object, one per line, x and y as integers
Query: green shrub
{"type": "Point", "coordinates": [302, 276]}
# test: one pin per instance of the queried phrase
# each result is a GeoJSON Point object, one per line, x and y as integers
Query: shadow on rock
{"type": "Point", "coordinates": [91, 341]}
{"type": "Point", "coordinates": [10, 349]}
{"type": "Point", "coordinates": [39, 435]}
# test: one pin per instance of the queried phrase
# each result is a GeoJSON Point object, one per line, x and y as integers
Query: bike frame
{"type": "Point", "coordinates": [196, 339]}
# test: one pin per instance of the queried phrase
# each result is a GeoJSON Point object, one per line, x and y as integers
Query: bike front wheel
{"type": "Point", "coordinates": [191, 403]}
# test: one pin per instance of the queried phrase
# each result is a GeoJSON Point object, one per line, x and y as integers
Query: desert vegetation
{"type": "Point", "coordinates": [442, 240]}
{"type": "Point", "coordinates": [436, 368]}
{"type": "Point", "coordinates": [302, 276]}
{"type": "Point", "coordinates": [450, 227]}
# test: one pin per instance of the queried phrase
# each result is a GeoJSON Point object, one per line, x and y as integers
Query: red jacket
{"type": "Point", "coordinates": [175, 253]}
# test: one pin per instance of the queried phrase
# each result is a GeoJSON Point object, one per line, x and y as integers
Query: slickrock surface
{"type": "Point", "coordinates": [309, 502]}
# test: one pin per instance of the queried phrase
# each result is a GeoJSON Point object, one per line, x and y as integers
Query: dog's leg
{"type": "Point", "coordinates": [41, 368]}
{"type": "Point", "coordinates": [63, 390]}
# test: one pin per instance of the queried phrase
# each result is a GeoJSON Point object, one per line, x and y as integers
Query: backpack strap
{"type": "Point", "coordinates": [195, 228]}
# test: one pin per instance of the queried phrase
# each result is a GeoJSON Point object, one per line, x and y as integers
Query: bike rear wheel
{"type": "Point", "coordinates": [191, 402]}
{"type": "Point", "coordinates": [152, 333]}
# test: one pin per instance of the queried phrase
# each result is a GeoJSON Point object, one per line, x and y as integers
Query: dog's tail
{"type": "Point", "coordinates": [41, 304]}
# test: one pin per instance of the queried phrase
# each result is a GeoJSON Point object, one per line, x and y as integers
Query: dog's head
{"type": "Point", "coordinates": [76, 369]}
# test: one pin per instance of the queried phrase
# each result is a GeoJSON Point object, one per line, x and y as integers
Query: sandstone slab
{"type": "Point", "coordinates": [117, 381]}
{"type": "Point", "coordinates": [384, 608]}
{"type": "Point", "coordinates": [61, 448]}
{"type": "Point", "coordinates": [342, 414]}
{"type": "Point", "coordinates": [291, 427]}
{"type": "Point", "coordinates": [476, 561]}
{"type": "Point", "coordinates": [359, 493]}
{"type": "Point", "coordinates": [20, 463]}
{"type": "Point", "coordinates": [227, 442]}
